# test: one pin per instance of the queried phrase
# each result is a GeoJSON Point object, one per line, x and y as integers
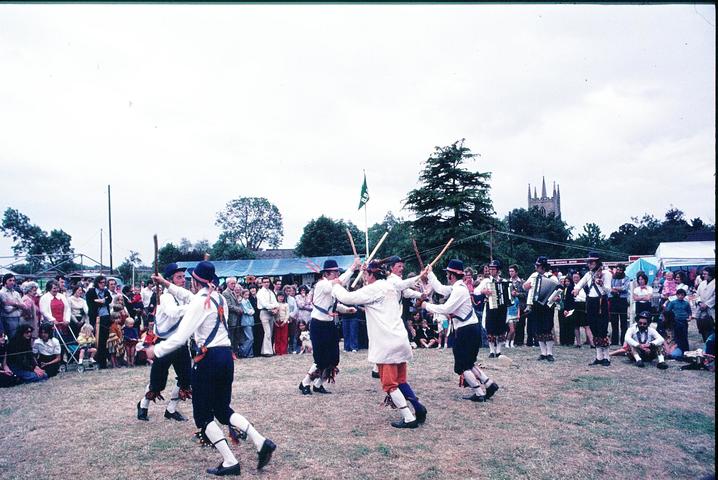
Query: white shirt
{"type": "Point", "coordinates": [199, 319]}
{"type": "Point", "coordinates": [51, 348]}
{"type": "Point", "coordinates": [404, 286]}
{"type": "Point", "coordinates": [458, 304]}
{"type": "Point", "coordinates": [266, 300]}
{"type": "Point", "coordinates": [173, 305]}
{"type": "Point", "coordinates": [642, 292]}
{"type": "Point", "coordinates": [594, 289]}
{"type": "Point", "coordinates": [46, 312]}
{"type": "Point", "coordinates": [634, 337]}
{"type": "Point", "coordinates": [324, 298]}
{"type": "Point", "coordinates": [388, 339]}
{"type": "Point", "coordinates": [707, 293]}
{"type": "Point", "coordinates": [146, 294]}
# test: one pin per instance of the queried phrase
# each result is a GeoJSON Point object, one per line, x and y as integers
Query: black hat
{"type": "Point", "coordinates": [542, 260]}
{"type": "Point", "coordinates": [645, 314]}
{"type": "Point", "coordinates": [455, 266]}
{"type": "Point", "coordinates": [394, 259]}
{"type": "Point", "coordinates": [204, 272]}
{"type": "Point", "coordinates": [171, 269]}
{"type": "Point", "coordinates": [330, 265]}
{"type": "Point", "coordinates": [496, 264]}
{"type": "Point", "coordinates": [374, 267]}
{"type": "Point", "coordinates": [593, 256]}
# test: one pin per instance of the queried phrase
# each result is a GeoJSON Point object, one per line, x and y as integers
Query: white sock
{"type": "Point", "coordinates": [318, 382]}
{"type": "Point", "coordinates": [216, 436]}
{"type": "Point", "coordinates": [398, 398]}
{"type": "Point", "coordinates": [599, 353]}
{"type": "Point", "coordinates": [375, 369]}
{"type": "Point", "coordinates": [544, 350]}
{"type": "Point", "coordinates": [174, 398]}
{"type": "Point", "coordinates": [243, 425]}
{"type": "Point", "coordinates": [637, 357]}
{"type": "Point", "coordinates": [479, 374]}
{"type": "Point", "coordinates": [471, 381]}
{"type": "Point", "coordinates": [144, 403]}
{"type": "Point", "coordinates": [549, 348]}
{"type": "Point", "coordinates": [307, 378]}
{"type": "Point", "coordinates": [491, 347]}
{"type": "Point", "coordinates": [498, 347]}
{"type": "Point", "coordinates": [511, 344]}
{"type": "Point", "coordinates": [660, 358]}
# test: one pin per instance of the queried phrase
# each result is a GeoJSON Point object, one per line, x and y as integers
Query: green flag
{"type": "Point", "coordinates": [364, 196]}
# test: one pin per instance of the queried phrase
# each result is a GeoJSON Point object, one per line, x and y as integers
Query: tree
{"type": "Point", "coordinates": [126, 267]}
{"type": "Point", "coordinates": [29, 239]}
{"type": "Point", "coordinates": [592, 237]}
{"type": "Point", "coordinates": [451, 201]}
{"type": "Point", "coordinates": [326, 237]}
{"type": "Point", "coordinates": [251, 221]}
{"type": "Point", "coordinates": [224, 249]}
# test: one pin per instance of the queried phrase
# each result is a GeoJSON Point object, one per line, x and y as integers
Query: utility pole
{"type": "Point", "coordinates": [109, 214]}
{"type": "Point", "coordinates": [491, 244]}
{"type": "Point", "coordinates": [100, 250]}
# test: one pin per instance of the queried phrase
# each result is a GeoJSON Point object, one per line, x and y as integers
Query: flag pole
{"type": "Point", "coordinates": [366, 231]}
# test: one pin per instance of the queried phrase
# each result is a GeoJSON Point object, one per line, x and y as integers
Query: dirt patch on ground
{"type": "Point", "coordinates": [548, 421]}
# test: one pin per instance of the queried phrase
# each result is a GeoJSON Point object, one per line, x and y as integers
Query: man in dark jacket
{"type": "Point", "coordinates": [98, 305]}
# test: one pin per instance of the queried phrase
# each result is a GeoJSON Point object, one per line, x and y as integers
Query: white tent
{"type": "Point", "coordinates": [686, 254]}
{"type": "Point", "coordinates": [3, 271]}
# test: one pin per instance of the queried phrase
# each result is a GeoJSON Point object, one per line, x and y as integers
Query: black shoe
{"type": "Point", "coordinates": [421, 415]}
{"type": "Point", "coordinates": [374, 374]}
{"type": "Point", "coordinates": [606, 362]}
{"type": "Point", "coordinates": [305, 389]}
{"type": "Point", "coordinates": [498, 355]}
{"type": "Point", "coordinates": [142, 413]}
{"type": "Point", "coordinates": [492, 355]}
{"type": "Point", "coordinates": [593, 346]}
{"type": "Point", "coordinates": [640, 364]}
{"type": "Point", "coordinates": [662, 366]}
{"type": "Point", "coordinates": [175, 416]}
{"type": "Point", "coordinates": [550, 358]}
{"type": "Point", "coordinates": [541, 357]}
{"type": "Point", "coordinates": [577, 346]}
{"type": "Point", "coordinates": [475, 398]}
{"type": "Point", "coordinates": [265, 453]}
{"type": "Point", "coordinates": [595, 362]}
{"type": "Point", "coordinates": [320, 389]}
{"type": "Point", "coordinates": [490, 390]}
{"type": "Point", "coordinates": [404, 424]}
{"type": "Point", "coordinates": [221, 471]}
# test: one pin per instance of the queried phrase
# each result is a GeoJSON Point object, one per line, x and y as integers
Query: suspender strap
{"type": "Point", "coordinates": [326, 311]}
{"type": "Point", "coordinates": [167, 333]}
{"type": "Point", "coordinates": [220, 321]}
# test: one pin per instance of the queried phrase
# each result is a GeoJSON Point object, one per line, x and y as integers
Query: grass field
{"type": "Point", "coordinates": [548, 421]}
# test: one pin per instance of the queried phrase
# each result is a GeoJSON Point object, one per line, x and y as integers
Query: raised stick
{"type": "Point", "coordinates": [442, 252]}
{"type": "Point", "coordinates": [418, 257]}
{"type": "Point", "coordinates": [368, 259]}
{"type": "Point", "coordinates": [351, 240]}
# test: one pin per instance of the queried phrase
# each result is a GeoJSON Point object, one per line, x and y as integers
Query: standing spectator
{"type": "Point", "coordinates": [277, 286]}
{"type": "Point", "coordinates": [78, 309]}
{"type": "Point", "coordinates": [12, 305]}
{"type": "Point", "coordinates": [680, 311]}
{"type": "Point", "coordinates": [20, 358]}
{"type": "Point", "coordinates": [350, 328]}
{"type": "Point", "coordinates": [566, 332]}
{"type": "Point", "coordinates": [642, 294]}
{"type": "Point", "coordinates": [234, 315]}
{"type": "Point", "coordinates": [61, 284]}
{"type": "Point", "coordinates": [7, 378]}
{"type": "Point", "coordinates": [618, 304]}
{"type": "Point", "coordinates": [683, 282]}
{"type": "Point", "coordinates": [98, 304]}
{"type": "Point", "coordinates": [518, 326]}
{"type": "Point", "coordinates": [47, 351]}
{"type": "Point", "coordinates": [247, 323]}
{"type": "Point", "coordinates": [257, 328]}
{"type": "Point", "coordinates": [281, 325]}
{"type": "Point", "coordinates": [31, 314]}
{"type": "Point", "coordinates": [706, 303]}
{"type": "Point", "coordinates": [112, 287]}
{"type": "Point", "coordinates": [304, 304]}
{"type": "Point", "coordinates": [55, 309]}
{"type": "Point", "coordinates": [290, 295]}
{"type": "Point", "coordinates": [267, 305]}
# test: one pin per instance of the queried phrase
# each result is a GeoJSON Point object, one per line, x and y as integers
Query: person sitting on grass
{"type": "Point", "coordinates": [304, 339]}
{"type": "Point", "coordinates": [7, 378]}
{"type": "Point", "coordinates": [20, 358]}
{"type": "Point", "coordinates": [426, 336]}
{"type": "Point", "coordinates": [645, 342]}
{"type": "Point", "coordinates": [47, 350]}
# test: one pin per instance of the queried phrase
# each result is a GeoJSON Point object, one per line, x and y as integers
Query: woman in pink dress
{"type": "Point", "coordinates": [31, 314]}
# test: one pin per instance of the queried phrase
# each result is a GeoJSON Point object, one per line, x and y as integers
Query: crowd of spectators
{"type": "Point", "coordinates": [96, 324]}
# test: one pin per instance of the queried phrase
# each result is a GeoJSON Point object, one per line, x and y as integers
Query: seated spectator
{"type": "Point", "coordinates": [86, 343]}
{"type": "Point", "coordinates": [7, 378]}
{"type": "Point", "coordinates": [20, 358]}
{"type": "Point", "coordinates": [47, 351]}
{"type": "Point", "coordinates": [645, 342]}
{"type": "Point", "coordinates": [679, 311]}
{"type": "Point", "coordinates": [304, 339]}
{"type": "Point", "coordinates": [426, 337]}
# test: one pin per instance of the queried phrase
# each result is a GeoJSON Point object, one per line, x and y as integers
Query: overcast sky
{"type": "Point", "coordinates": [182, 108]}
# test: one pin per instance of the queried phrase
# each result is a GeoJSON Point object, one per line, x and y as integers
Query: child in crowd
{"type": "Point", "coordinates": [115, 340]}
{"type": "Point", "coordinates": [131, 337]}
{"type": "Point", "coordinates": [512, 317]}
{"type": "Point", "coordinates": [281, 325]}
{"type": "Point", "coordinates": [426, 336]}
{"type": "Point", "coordinates": [86, 343]}
{"type": "Point", "coordinates": [304, 339]}
{"type": "Point", "coordinates": [681, 312]}
{"type": "Point", "coordinates": [669, 285]}
{"type": "Point", "coordinates": [147, 338]}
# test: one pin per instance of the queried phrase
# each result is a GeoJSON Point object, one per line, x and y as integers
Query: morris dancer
{"type": "Point", "coordinates": [213, 369]}
{"type": "Point", "coordinates": [168, 317]}
{"type": "Point", "coordinates": [389, 345]}
{"type": "Point", "coordinates": [323, 332]}
{"type": "Point", "coordinates": [495, 317]}
{"type": "Point", "coordinates": [541, 315]}
{"type": "Point", "coordinates": [597, 285]}
{"type": "Point", "coordinates": [466, 327]}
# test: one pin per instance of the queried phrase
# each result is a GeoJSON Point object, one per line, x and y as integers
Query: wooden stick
{"type": "Point", "coordinates": [418, 257]}
{"type": "Point", "coordinates": [368, 259]}
{"type": "Point", "coordinates": [351, 240]}
{"type": "Point", "coordinates": [442, 252]}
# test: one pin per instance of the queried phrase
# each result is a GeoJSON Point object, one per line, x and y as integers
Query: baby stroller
{"type": "Point", "coordinates": [71, 351]}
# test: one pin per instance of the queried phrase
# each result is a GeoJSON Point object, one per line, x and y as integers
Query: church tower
{"type": "Point", "coordinates": [545, 203]}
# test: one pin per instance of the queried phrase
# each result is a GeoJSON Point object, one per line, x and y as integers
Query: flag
{"type": "Point", "coordinates": [364, 196]}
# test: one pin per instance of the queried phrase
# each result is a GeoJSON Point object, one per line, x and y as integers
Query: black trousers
{"type": "Point", "coordinates": [103, 331]}
{"type": "Point", "coordinates": [532, 327]}
{"type": "Point", "coordinates": [212, 387]}
{"type": "Point", "coordinates": [180, 361]}
{"type": "Point", "coordinates": [619, 320]}
{"type": "Point", "coordinates": [520, 329]}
